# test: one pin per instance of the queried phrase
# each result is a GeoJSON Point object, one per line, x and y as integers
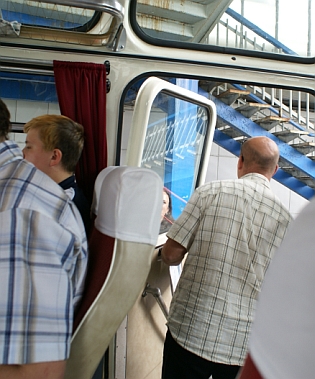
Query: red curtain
{"type": "Point", "coordinates": [81, 91]}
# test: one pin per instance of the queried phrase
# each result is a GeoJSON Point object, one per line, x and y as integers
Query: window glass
{"type": "Point", "coordinates": [27, 96]}
{"type": "Point", "coordinates": [28, 87]}
{"type": "Point", "coordinates": [271, 26]}
{"type": "Point", "coordinates": [174, 145]}
{"type": "Point", "coordinates": [33, 13]}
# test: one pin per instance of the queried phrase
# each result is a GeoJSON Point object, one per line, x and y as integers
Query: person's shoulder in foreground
{"type": "Point", "coordinates": [42, 266]}
{"type": "Point", "coordinates": [282, 341]}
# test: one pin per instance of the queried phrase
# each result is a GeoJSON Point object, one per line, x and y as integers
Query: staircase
{"type": "Point", "coordinates": [243, 111]}
{"type": "Point", "coordinates": [243, 114]}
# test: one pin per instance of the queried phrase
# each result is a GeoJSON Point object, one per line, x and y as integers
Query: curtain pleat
{"type": "Point", "coordinates": [81, 91]}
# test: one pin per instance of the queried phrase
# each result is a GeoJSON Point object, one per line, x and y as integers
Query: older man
{"type": "Point", "coordinates": [230, 229]}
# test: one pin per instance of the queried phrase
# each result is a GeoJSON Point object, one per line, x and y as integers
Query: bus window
{"type": "Point", "coordinates": [171, 133]}
{"type": "Point", "coordinates": [173, 145]}
{"type": "Point", "coordinates": [92, 23]}
{"type": "Point", "coordinates": [34, 13]}
{"type": "Point", "coordinates": [263, 26]}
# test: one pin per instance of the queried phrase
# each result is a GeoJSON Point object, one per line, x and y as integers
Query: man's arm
{"type": "Point", "coordinates": [173, 252]}
{"type": "Point", "coordinates": [43, 370]}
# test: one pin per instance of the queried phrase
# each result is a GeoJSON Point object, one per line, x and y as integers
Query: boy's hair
{"type": "Point", "coordinates": [60, 132]}
{"type": "Point", "coordinates": [5, 124]}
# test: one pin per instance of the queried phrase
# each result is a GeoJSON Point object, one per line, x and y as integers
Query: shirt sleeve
{"type": "Point", "coordinates": [185, 227]}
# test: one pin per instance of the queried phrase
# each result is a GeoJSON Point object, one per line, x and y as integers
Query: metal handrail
{"type": "Point", "coordinates": [156, 292]}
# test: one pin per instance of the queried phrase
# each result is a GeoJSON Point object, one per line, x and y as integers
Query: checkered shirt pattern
{"type": "Point", "coordinates": [43, 257]}
{"type": "Point", "coordinates": [231, 230]}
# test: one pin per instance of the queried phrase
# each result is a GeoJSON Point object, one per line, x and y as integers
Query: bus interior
{"type": "Point", "coordinates": [174, 87]}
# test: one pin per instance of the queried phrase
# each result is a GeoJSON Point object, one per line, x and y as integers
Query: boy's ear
{"type": "Point", "coordinates": [56, 157]}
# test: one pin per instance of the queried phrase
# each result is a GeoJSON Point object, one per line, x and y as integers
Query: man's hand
{"type": "Point", "coordinates": [173, 253]}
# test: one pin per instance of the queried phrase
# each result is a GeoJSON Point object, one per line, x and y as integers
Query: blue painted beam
{"type": "Point", "coordinates": [294, 184]}
{"type": "Point", "coordinates": [227, 142]}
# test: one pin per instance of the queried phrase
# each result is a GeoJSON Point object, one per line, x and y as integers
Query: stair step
{"type": "Point", "coordinates": [289, 135]}
{"type": "Point", "coordinates": [307, 180]}
{"type": "Point", "coordinates": [270, 122]}
{"type": "Point", "coordinates": [208, 86]}
{"type": "Point", "coordinates": [249, 109]}
{"type": "Point", "coordinates": [299, 175]}
{"type": "Point", "coordinates": [232, 94]}
{"type": "Point", "coordinates": [305, 147]}
{"type": "Point", "coordinates": [231, 132]}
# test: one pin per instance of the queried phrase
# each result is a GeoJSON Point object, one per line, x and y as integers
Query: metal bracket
{"type": "Point", "coordinates": [108, 85]}
{"type": "Point", "coordinates": [120, 39]}
{"type": "Point", "coordinates": [107, 66]}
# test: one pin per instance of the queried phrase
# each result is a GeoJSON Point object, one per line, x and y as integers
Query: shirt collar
{"type": "Point", "coordinates": [258, 178]}
{"type": "Point", "coordinates": [67, 183]}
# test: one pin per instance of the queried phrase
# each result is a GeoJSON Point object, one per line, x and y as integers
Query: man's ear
{"type": "Point", "coordinates": [240, 162]}
{"type": "Point", "coordinates": [56, 157]}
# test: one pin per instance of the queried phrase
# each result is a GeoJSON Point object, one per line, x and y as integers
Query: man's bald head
{"type": "Point", "coordinates": [260, 155]}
